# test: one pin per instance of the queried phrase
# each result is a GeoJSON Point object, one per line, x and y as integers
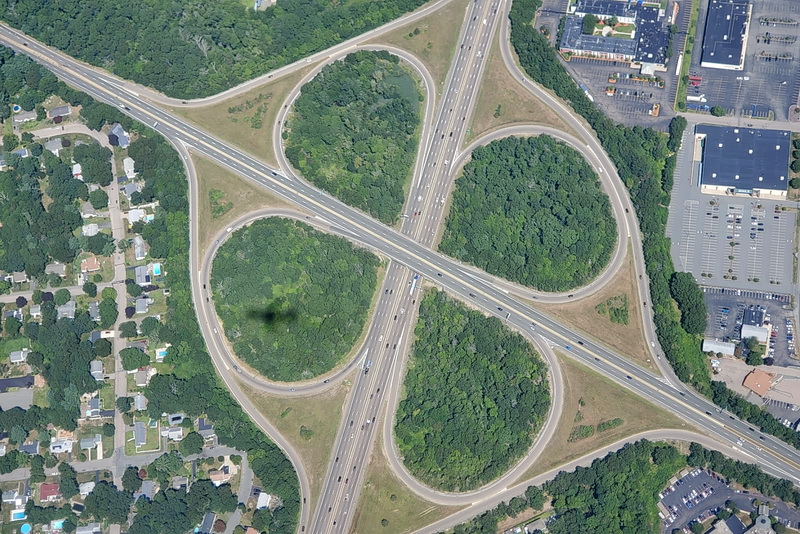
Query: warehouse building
{"type": "Point", "coordinates": [743, 161]}
{"type": "Point", "coordinates": [725, 36]}
{"type": "Point", "coordinates": [574, 41]}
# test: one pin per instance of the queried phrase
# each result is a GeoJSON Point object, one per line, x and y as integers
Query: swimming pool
{"type": "Point", "coordinates": [57, 524]}
{"type": "Point", "coordinates": [156, 269]}
{"type": "Point", "coordinates": [16, 108]}
{"type": "Point", "coordinates": [18, 515]}
{"type": "Point", "coordinates": [25, 528]}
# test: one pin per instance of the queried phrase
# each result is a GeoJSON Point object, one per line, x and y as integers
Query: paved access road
{"type": "Point", "coordinates": [775, 457]}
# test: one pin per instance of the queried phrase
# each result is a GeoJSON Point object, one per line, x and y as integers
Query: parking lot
{"type": "Point", "coordinates": [726, 308]}
{"type": "Point", "coordinates": [768, 85]}
{"type": "Point", "coordinates": [700, 492]}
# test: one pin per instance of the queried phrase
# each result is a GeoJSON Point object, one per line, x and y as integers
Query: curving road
{"type": "Point", "coordinates": [773, 455]}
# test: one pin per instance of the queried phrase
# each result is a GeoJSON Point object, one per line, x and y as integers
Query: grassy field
{"type": "Point", "coordinates": [384, 496]}
{"type": "Point", "coordinates": [242, 196]}
{"type": "Point", "coordinates": [626, 339]}
{"type": "Point", "coordinates": [502, 101]}
{"type": "Point", "coordinates": [234, 120]}
{"type": "Point", "coordinates": [320, 414]}
{"type": "Point", "coordinates": [590, 399]}
{"type": "Point", "coordinates": [432, 39]}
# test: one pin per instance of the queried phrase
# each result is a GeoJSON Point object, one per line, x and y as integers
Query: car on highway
{"type": "Point", "coordinates": [568, 347]}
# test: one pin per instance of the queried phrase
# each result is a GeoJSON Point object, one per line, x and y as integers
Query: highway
{"type": "Point", "coordinates": [404, 250]}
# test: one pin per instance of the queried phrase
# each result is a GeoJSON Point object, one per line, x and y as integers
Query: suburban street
{"type": "Point", "coordinates": [376, 389]}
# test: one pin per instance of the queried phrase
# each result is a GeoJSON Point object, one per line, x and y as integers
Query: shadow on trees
{"type": "Point", "coordinates": [276, 313]}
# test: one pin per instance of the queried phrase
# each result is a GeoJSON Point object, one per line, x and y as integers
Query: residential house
{"type": "Point", "coordinates": [14, 498]}
{"type": "Point", "coordinates": [35, 311]}
{"type": "Point", "coordinates": [10, 496]}
{"type": "Point", "coordinates": [96, 370]}
{"type": "Point", "coordinates": [66, 310]}
{"type": "Point", "coordinates": [56, 268]}
{"type": "Point", "coordinates": [92, 410]}
{"type": "Point", "coordinates": [22, 152]}
{"type": "Point", "coordinates": [142, 304]}
{"type": "Point", "coordinates": [139, 402]}
{"type": "Point", "coordinates": [90, 265]}
{"type": "Point", "coordinates": [58, 446]}
{"type": "Point", "coordinates": [18, 356]}
{"type": "Point", "coordinates": [94, 310]}
{"type": "Point", "coordinates": [60, 111]}
{"type": "Point", "coordinates": [118, 136]}
{"type": "Point", "coordinates": [142, 275]}
{"type": "Point", "coordinates": [86, 488]}
{"type": "Point", "coordinates": [148, 489]}
{"type": "Point", "coordinates": [207, 525]}
{"type": "Point", "coordinates": [129, 167]}
{"type": "Point", "coordinates": [49, 492]}
{"type": "Point", "coordinates": [139, 248]}
{"type": "Point", "coordinates": [174, 433]}
{"type": "Point", "coordinates": [220, 476]}
{"type": "Point", "coordinates": [30, 447]}
{"type": "Point", "coordinates": [141, 378]}
{"type": "Point", "coordinates": [77, 171]}
{"type": "Point", "coordinates": [2, 449]}
{"type": "Point", "coordinates": [88, 211]}
{"type": "Point", "coordinates": [16, 278]}
{"type": "Point", "coordinates": [91, 528]}
{"type": "Point", "coordinates": [139, 434]}
{"type": "Point", "coordinates": [263, 501]}
{"type": "Point", "coordinates": [176, 418]}
{"type": "Point", "coordinates": [180, 482]}
{"type": "Point", "coordinates": [90, 229]}
{"type": "Point", "coordinates": [54, 145]}
{"type": "Point", "coordinates": [25, 116]}
{"type": "Point", "coordinates": [128, 190]}
{"type": "Point", "coordinates": [205, 428]}
{"type": "Point", "coordinates": [91, 443]}
{"type": "Point", "coordinates": [16, 314]}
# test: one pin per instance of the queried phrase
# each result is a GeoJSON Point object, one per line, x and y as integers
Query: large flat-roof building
{"type": "Point", "coordinates": [653, 37]}
{"type": "Point", "coordinates": [743, 161]}
{"type": "Point", "coordinates": [574, 41]}
{"type": "Point", "coordinates": [605, 9]}
{"type": "Point", "coordinates": [725, 36]}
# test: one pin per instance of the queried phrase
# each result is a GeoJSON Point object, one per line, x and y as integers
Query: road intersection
{"type": "Point", "coordinates": [410, 253]}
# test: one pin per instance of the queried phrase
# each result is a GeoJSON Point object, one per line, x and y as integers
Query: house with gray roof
{"type": "Point", "coordinates": [91, 443]}
{"type": "Point", "coordinates": [66, 310]}
{"type": "Point", "coordinates": [142, 275]}
{"type": "Point", "coordinates": [94, 311]}
{"type": "Point", "coordinates": [142, 305]}
{"type": "Point", "coordinates": [22, 152]}
{"type": "Point", "coordinates": [139, 402]}
{"type": "Point", "coordinates": [88, 211]}
{"type": "Point", "coordinates": [139, 248]}
{"type": "Point", "coordinates": [60, 111]}
{"type": "Point", "coordinates": [54, 145]}
{"type": "Point", "coordinates": [25, 116]}
{"type": "Point", "coordinates": [18, 356]}
{"type": "Point", "coordinates": [30, 447]}
{"type": "Point", "coordinates": [91, 528]}
{"type": "Point", "coordinates": [118, 136]}
{"type": "Point", "coordinates": [139, 435]}
{"type": "Point", "coordinates": [96, 369]}
{"type": "Point", "coordinates": [56, 268]}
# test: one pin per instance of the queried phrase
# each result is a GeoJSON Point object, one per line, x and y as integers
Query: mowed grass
{"type": "Point", "coordinates": [503, 101]}
{"type": "Point", "coordinates": [598, 399]}
{"type": "Point", "coordinates": [384, 496]}
{"type": "Point", "coordinates": [321, 414]}
{"type": "Point", "coordinates": [236, 127]}
{"type": "Point", "coordinates": [628, 339]}
{"type": "Point", "coordinates": [243, 196]}
{"type": "Point", "coordinates": [432, 39]}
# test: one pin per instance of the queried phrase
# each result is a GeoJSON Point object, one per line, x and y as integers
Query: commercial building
{"type": "Point", "coordinates": [743, 161]}
{"type": "Point", "coordinates": [761, 333]}
{"type": "Point", "coordinates": [725, 36]}
{"type": "Point", "coordinates": [605, 9]}
{"type": "Point", "coordinates": [758, 382]}
{"type": "Point", "coordinates": [574, 41]}
{"type": "Point", "coordinates": [721, 347]}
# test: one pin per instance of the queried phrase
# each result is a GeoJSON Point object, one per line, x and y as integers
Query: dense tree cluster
{"type": "Point", "coordinates": [646, 161]}
{"type": "Point", "coordinates": [475, 395]}
{"type": "Point", "coordinates": [354, 131]}
{"type": "Point", "coordinates": [691, 304]}
{"type": "Point", "coordinates": [532, 211]}
{"type": "Point", "coordinates": [107, 503]}
{"type": "Point", "coordinates": [188, 50]}
{"type": "Point", "coordinates": [293, 300]}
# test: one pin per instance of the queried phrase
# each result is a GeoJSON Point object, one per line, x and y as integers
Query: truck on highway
{"type": "Point", "coordinates": [367, 365]}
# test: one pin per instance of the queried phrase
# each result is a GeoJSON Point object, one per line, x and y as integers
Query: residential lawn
{"type": "Point", "coordinates": [583, 315]}
{"type": "Point", "coordinates": [242, 195]}
{"type": "Point", "coordinates": [232, 120]}
{"type": "Point", "coordinates": [106, 266]}
{"type": "Point", "coordinates": [152, 442]}
{"type": "Point", "coordinates": [432, 39]}
{"type": "Point", "coordinates": [589, 399]}
{"type": "Point", "coordinates": [10, 345]}
{"type": "Point", "coordinates": [40, 397]}
{"type": "Point", "coordinates": [321, 414]}
{"type": "Point", "coordinates": [503, 101]}
{"type": "Point", "coordinates": [384, 496]}
{"type": "Point", "coordinates": [108, 398]}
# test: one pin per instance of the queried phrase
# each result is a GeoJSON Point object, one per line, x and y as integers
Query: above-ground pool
{"type": "Point", "coordinates": [16, 108]}
{"type": "Point", "coordinates": [156, 269]}
{"type": "Point", "coordinates": [25, 528]}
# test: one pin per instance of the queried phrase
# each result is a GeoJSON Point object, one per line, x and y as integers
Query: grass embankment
{"type": "Point", "coordinates": [591, 399]}
{"type": "Point", "coordinates": [246, 120]}
{"type": "Point", "coordinates": [293, 300]}
{"type": "Point", "coordinates": [309, 423]}
{"type": "Point", "coordinates": [432, 39]}
{"type": "Point", "coordinates": [503, 101]}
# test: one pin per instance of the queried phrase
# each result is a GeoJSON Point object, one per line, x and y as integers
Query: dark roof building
{"type": "Point", "coordinates": [574, 41]}
{"type": "Point", "coordinates": [725, 36]}
{"type": "Point", "coordinates": [744, 160]}
{"type": "Point", "coordinates": [605, 9]}
{"type": "Point", "coordinates": [653, 37]}
{"type": "Point", "coordinates": [753, 316]}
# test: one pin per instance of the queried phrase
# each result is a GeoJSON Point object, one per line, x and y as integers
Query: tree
{"type": "Point", "coordinates": [794, 183]}
{"type": "Point", "coordinates": [130, 311]}
{"type": "Point", "coordinates": [150, 326]}
{"type": "Point", "coordinates": [613, 21]}
{"type": "Point", "coordinates": [21, 302]}
{"type": "Point", "coordinates": [191, 444]}
{"type": "Point", "coordinates": [697, 528]}
{"type": "Point", "coordinates": [124, 404]}
{"type": "Point", "coordinates": [133, 288]}
{"type": "Point", "coordinates": [795, 166]}
{"type": "Point", "coordinates": [68, 483]}
{"type": "Point", "coordinates": [36, 297]}
{"type": "Point", "coordinates": [108, 429]}
{"type": "Point", "coordinates": [219, 525]}
{"type": "Point", "coordinates": [128, 329]}
{"type": "Point", "coordinates": [90, 288]}
{"type": "Point", "coordinates": [108, 312]}
{"type": "Point", "coordinates": [718, 111]}
{"type": "Point", "coordinates": [37, 469]}
{"type": "Point", "coordinates": [109, 293]}
{"type": "Point", "coordinates": [107, 503]}
{"type": "Point", "coordinates": [589, 23]}
{"type": "Point", "coordinates": [102, 348]}
{"type": "Point", "coordinates": [130, 479]}
{"type": "Point", "coordinates": [62, 296]}
{"type": "Point", "coordinates": [133, 358]}
{"type": "Point", "coordinates": [691, 304]}
{"type": "Point", "coordinates": [12, 327]}
{"type": "Point", "coordinates": [98, 199]}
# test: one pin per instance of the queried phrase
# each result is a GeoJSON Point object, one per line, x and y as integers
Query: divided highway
{"type": "Point", "coordinates": [410, 253]}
